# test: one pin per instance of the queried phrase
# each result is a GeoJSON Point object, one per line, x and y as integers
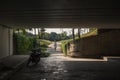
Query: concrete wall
{"type": "Point", "coordinates": [5, 42]}
{"type": "Point", "coordinates": [105, 44]}
{"type": "Point", "coordinates": [11, 41]}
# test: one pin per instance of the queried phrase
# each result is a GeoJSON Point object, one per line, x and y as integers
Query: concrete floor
{"type": "Point", "coordinates": [58, 67]}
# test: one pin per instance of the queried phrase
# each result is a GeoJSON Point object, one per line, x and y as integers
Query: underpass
{"type": "Point", "coordinates": [101, 14]}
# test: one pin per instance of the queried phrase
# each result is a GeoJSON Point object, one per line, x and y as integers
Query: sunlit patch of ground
{"type": "Point", "coordinates": [57, 54]}
{"type": "Point", "coordinates": [62, 57]}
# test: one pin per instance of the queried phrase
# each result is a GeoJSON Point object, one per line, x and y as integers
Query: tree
{"type": "Point", "coordinates": [46, 36]}
{"type": "Point", "coordinates": [42, 33]}
{"type": "Point", "coordinates": [30, 29]}
{"type": "Point", "coordinates": [35, 31]}
{"type": "Point", "coordinates": [38, 32]}
{"type": "Point", "coordinates": [23, 31]}
{"type": "Point", "coordinates": [63, 35]}
{"type": "Point", "coordinates": [53, 36]}
{"type": "Point", "coordinates": [79, 32]}
{"type": "Point", "coordinates": [73, 33]}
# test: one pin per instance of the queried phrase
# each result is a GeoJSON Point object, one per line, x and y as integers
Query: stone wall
{"type": "Point", "coordinates": [104, 44]}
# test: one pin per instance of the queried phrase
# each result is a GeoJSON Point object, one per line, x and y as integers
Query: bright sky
{"type": "Point", "coordinates": [59, 30]}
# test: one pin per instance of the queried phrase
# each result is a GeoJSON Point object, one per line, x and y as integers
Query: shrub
{"type": "Point", "coordinates": [23, 43]}
{"type": "Point", "coordinates": [64, 49]}
{"type": "Point", "coordinates": [64, 46]}
{"type": "Point", "coordinates": [45, 54]}
{"type": "Point", "coordinates": [43, 46]}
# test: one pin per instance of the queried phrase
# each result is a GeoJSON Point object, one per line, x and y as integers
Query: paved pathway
{"type": "Point", "coordinates": [11, 64]}
{"type": "Point", "coordinates": [58, 67]}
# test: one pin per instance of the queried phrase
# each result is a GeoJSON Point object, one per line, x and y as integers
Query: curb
{"type": "Point", "coordinates": [111, 58]}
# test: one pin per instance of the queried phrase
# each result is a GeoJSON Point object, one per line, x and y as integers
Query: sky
{"type": "Point", "coordinates": [59, 30]}
{"type": "Point", "coordinates": [68, 30]}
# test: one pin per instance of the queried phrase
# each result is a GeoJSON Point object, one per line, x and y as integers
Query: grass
{"type": "Point", "coordinates": [64, 43]}
{"type": "Point", "coordinates": [43, 46]}
{"type": "Point", "coordinates": [92, 33]}
{"type": "Point", "coordinates": [44, 42]}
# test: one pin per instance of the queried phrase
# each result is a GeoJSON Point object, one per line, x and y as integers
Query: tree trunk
{"type": "Point", "coordinates": [73, 33]}
{"type": "Point", "coordinates": [42, 33]}
{"type": "Point", "coordinates": [35, 31]}
{"type": "Point", "coordinates": [79, 32]}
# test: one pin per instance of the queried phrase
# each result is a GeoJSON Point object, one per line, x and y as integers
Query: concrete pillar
{"type": "Point", "coordinates": [10, 41]}
{"type": "Point", "coordinates": [6, 42]}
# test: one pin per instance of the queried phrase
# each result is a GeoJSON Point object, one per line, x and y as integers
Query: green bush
{"type": "Point", "coordinates": [65, 45]}
{"type": "Point", "coordinates": [45, 54]}
{"type": "Point", "coordinates": [64, 49]}
{"type": "Point", "coordinates": [44, 43]}
{"type": "Point", "coordinates": [43, 49]}
{"type": "Point", "coordinates": [23, 43]}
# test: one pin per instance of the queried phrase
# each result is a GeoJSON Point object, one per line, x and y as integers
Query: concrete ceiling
{"type": "Point", "coordinates": [60, 13]}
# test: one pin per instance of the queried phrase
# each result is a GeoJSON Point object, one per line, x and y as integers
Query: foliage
{"type": "Point", "coordinates": [65, 45]}
{"type": "Point", "coordinates": [26, 43]}
{"type": "Point", "coordinates": [43, 46]}
{"type": "Point", "coordinates": [93, 32]}
{"type": "Point", "coordinates": [45, 54]}
{"type": "Point", "coordinates": [64, 48]}
{"type": "Point", "coordinates": [43, 43]}
{"type": "Point", "coordinates": [54, 36]}
{"type": "Point", "coordinates": [22, 43]}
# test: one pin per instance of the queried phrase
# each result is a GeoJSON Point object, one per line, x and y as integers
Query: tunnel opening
{"type": "Point", "coordinates": [26, 39]}
{"type": "Point", "coordinates": [75, 42]}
